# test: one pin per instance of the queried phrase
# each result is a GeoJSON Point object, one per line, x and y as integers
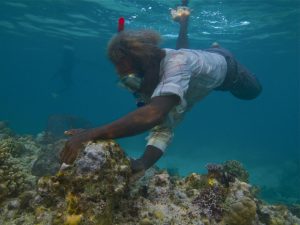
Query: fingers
{"type": "Point", "coordinates": [63, 153]}
{"type": "Point", "coordinates": [66, 154]}
{"type": "Point", "coordinates": [68, 132]}
{"type": "Point", "coordinates": [69, 153]}
{"type": "Point", "coordinates": [73, 131]}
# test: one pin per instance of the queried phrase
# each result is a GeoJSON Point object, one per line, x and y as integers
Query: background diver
{"type": "Point", "coordinates": [64, 73]}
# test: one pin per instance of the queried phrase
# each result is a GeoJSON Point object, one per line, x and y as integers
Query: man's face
{"type": "Point", "coordinates": [124, 67]}
{"type": "Point", "coordinates": [128, 75]}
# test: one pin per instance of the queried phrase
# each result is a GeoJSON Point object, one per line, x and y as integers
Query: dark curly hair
{"type": "Point", "coordinates": [140, 46]}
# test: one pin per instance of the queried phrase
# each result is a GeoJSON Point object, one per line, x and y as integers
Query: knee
{"type": "Point", "coordinates": [247, 92]}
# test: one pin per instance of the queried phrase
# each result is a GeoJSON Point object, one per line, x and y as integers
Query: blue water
{"type": "Point", "coordinates": [264, 134]}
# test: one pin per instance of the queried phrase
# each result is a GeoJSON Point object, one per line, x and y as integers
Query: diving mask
{"type": "Point", "coordinates": [132, 82]}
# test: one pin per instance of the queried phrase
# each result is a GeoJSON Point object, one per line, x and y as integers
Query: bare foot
{"type": "Point", "coordinates": [215, 45]}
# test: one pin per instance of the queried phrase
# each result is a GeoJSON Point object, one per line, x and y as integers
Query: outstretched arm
{"type": "Point", "coordinates": [185, 2]}
{"type": "Point", "coordinates": [181, 15]}
{"type": "Point", "coordinates": [182, 40]}
{"type": "Point", "coordinates": [142, 119]}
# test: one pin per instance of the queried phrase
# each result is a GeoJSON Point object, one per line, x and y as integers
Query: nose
{"type": "Point", "coordinates": [124, 66]}
{"type": "Point", "coordinates": [123, 69]}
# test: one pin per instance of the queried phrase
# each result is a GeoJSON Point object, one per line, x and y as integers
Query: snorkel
{"type": "Point", "coordinates": [132, 81]}
{"type": "Point", "coordinates": [121, 24]}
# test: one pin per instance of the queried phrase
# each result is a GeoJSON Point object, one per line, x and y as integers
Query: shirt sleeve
{"type": "Point", "coordinates": [160, 137]}
{"type": "Point", "coordinates": [175, 77]}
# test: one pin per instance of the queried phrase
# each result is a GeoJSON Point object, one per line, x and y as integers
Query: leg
{"type": "Point", "coordinates": [246, 86]}
{"type": "Point", "coordinates": [140, 165]}
{"type": "Point", "coordinates": [148, 159]}
{"type": "Point", "coordinates": [239, 80]}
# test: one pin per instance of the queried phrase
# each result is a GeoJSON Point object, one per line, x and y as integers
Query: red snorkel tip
{"type": "Point", "coordinates": [121, 24]}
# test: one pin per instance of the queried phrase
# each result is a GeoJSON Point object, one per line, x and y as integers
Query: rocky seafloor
{"type": "Point", "coordinates": [98, 189]}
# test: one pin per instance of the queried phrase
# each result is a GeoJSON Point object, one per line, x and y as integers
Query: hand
{"type": "Point", "coordinates": [137, 168]}
{"type": "Point", "coordinates": [74, 145]}
{"type": "Point", "coordinates": [180, 14]}
{"type": "Point", "coordinates": [136, 165]}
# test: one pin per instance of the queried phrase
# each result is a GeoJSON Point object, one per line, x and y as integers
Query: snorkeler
{"type": "Point", "coordinates": [169, 82]}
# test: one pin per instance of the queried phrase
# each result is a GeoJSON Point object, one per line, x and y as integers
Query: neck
{"type": "Point", "coordinates": [151, 75]}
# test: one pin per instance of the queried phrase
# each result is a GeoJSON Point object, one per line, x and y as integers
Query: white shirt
{"type": "Point", "coordinates": [191, 75]}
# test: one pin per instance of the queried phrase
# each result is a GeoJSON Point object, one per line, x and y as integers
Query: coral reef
{"type": "Point", "coordinates": [295, 209]}
{"type": "Point", "coordinates": [47, 162]}
{"type": "Point", "coordinates": [276, 215]}
{"type": "Point", "coordinates": [240, 206]}
{"type": "Point", "coordinates": [14, 175]}
{"type": "Point", "coordinates": [287, 189]}
{"type": "Point", "coordinates": [96, 190]}
{"type": "Point", "coordinates": [5, 131]}
{"type": "Point", "coordinates": [210, 202]}
{"type": "Point", "coordinates": [236, 169]}
{"type": "Point", "coordinates": [88, 191]}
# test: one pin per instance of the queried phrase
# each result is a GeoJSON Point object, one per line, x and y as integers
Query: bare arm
{"type": "Point", "coordinates": [182, 40]}
{"type": "Point", "coordinates": [183, 19]}
{"type": "Point", "coordinates": [140, 120]}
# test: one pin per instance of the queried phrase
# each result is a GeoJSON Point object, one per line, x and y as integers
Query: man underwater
{"type": "Point", "coordinates": [166, 84]}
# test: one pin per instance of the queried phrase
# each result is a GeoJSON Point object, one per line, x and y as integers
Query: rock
{"type": "Point", "coordinates": [90, 188]}
{"type": "Point", "coordinates": [92, 160]}
{"type": "Point", "coordinates": [14, 204]}
{"type": "Point", "coordinates": [47, 162]}
{"type": "Point", "coordinates": [146, 221]}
